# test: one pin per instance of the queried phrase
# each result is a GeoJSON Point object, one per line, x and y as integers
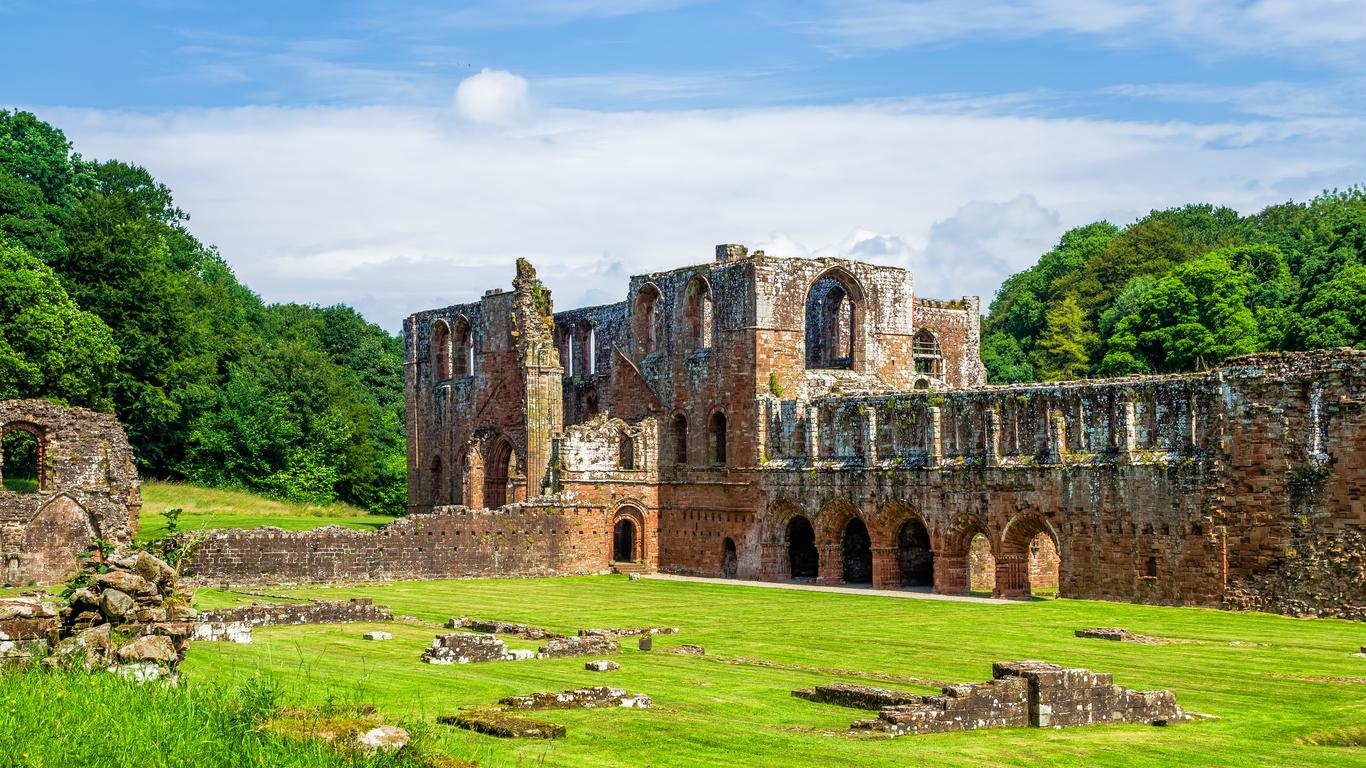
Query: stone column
{"type": "Point", "coordinates": [886, 570]}
{"type": "Point", "coordinates": [869, 435]}
{"type": "Point", "coordinates": [1057, 434]}
{"type": "Point", "coordinates": [1127, 439]}
{"type": "Point", "coordinates": [934, 441]}
{"type": "Point", "coordinates": [813, 434]}
{"type": "Point", "coordinates": [831, 569]}
{"type": "Point", "coordinates": [992, 425]}
{"type": "Point", "coordinates": [761, 429]}
{"type": "Point", "coordinates": [950, 574]}
{"type": "Point", "coordinates": [773, 563]}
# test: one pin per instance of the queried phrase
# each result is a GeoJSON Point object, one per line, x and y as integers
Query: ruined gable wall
{"type": "Point", "coordinates": [957, 326]}
{"type": "Point", "coordinates": [89, 489]}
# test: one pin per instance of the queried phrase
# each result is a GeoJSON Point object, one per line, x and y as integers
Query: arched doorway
{"type": "Point", "coordinates": [802, 558]}
{"type": "Point", "coordinates": [496, 473]}
{"type": "Point", "coordinates": [914, 557]}
{"type": "Point", "coordinates": [1030, 558]}
{"type": "Point", "coordinates": [856, 552]}
{"type": "Point", "coordinates": [730, 563]}
{"type": "Point", "coordinates": [624, 541]}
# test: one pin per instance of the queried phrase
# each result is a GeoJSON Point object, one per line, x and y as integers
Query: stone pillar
{"type": "Point", "coordinates": [773, 562]}
{"type": "Point", "coordinates": [992, 425]}
{"type": "Point", "coordinates": [831, 569]}
{"type": "Point", "coordinates": [813, 434]}
{"type": "Point", "coordinates": [1127, 439]}
{"type": "Point", "coordinates": [886, 570]}
{"type": "Point", "coordinates": [950, 573]}
{"type": "Point", "coordinates": [1057, 434]}
{"type": "Point", "coordinates": [870, 435]}
{"type": "Point", "coordinates": [934, 440]}
{"type": "Point", "coordinates": [761, 429]}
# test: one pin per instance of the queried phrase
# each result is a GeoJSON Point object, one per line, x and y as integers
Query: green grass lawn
{"type": "Point", "coordinates": [223, 508]}
{"type": "Point", "coordinates": [1271, 691]}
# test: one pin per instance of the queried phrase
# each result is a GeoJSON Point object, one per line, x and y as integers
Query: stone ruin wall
{"type": "Point", "coordinates": [1247, 480]}
{"type": "Point", "coordinates": [88, 489]}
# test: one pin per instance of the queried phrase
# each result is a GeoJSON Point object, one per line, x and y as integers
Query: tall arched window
{"type": "Point", "coordinates": [925, 350]}
{"type": "Point", "coordinates": [697, 314]}
{"type": "Point", "coordinates": [646, 317]}
{"type": "Point", "coordinates": [441, 350]}
{"type": "Point", "coordinates": [462, 352]}
{"type": "Point", "coordinates": [626, 452]}
{"type": "Point", "coordinates": [680, 429]}
{"type": "Point", "coordinates": [833, 316]}
{"type": "Point", "coordinates": [716, 438]}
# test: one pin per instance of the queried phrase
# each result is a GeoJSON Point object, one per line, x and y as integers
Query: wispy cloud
{"type": "Point", "coordinates": [1321, 30]}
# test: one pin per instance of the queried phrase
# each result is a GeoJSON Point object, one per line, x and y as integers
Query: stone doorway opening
{"type": "Point", "coordinates": [496, 471]}
{"type": "Point", "coordinates": [856, 550]}
{"type": "Point", "coordinates": [730, 562]}
{"type": "Point", "coordinates": [624, 541]}
{"type": "Point", "coordinates": [1044, 566]}
{"type": "Point", "coordinates": [914, 557]}
{"type": "Point", "coordinates": [802, 558]}
{"type": "Point", "coordinates": [21, 460]}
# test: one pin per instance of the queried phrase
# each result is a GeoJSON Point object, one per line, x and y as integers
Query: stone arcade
{"type": "Point", "coordinates": [774, 419]}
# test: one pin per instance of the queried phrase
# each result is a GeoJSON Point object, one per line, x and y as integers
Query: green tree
{"type": "Point", "coordinates": [1005, 362]}
{"type": "Point", "coordinates": [48, 347]}
{"type": "Point", "coordinates": [1063, 350]}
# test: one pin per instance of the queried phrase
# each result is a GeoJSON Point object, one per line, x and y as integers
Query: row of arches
{"type": "Point", "coordinates": [902, 549]}
{"type": "Point", "coordinates": [452, 349]}
{"type": "Point", "coordinates": [492, 470]}
{"type": "Point", "coordinates": [717, 439]}
{"type": "Point", "coordinates": [696, 316]}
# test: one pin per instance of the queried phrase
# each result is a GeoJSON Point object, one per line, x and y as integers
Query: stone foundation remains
{"type": "Point", "coordinates": [496, 627]}
{"type": "Point", "coordinates": [1027, 694]}
{"type": "Point", "coordinates": [855, 696]}
{"type": "Point", "coordinates": [357, 609]}
{"type": "Point", "coordinates": [465, 648]}
{"type": "Point", "coordinates": [579, 698]}
{"type": "Point", "coordinates": [577, 646]}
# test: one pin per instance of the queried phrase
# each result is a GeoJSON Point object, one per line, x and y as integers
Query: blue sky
{"type": "Point", "coordinates": [399, 155]}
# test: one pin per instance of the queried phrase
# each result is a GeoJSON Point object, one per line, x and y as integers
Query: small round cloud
{"type": "Point", "coordinates": [492, 96]}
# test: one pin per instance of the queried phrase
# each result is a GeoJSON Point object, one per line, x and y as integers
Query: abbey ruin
{"type": "Point", "coordinates": [777, 419]}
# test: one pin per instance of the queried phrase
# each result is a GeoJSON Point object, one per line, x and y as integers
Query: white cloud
{"type": "Point", "coordinates": [395, 210]}
{"type": "Point", "coordinates": [1328, 30]}
{"type": "Point", "coordinates": [492, 96]}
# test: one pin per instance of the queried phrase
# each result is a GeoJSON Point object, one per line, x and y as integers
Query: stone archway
{"type": "Point", "coordinates": [914, 555]}
{"type": "Point", "coordinates": [803, 560]}
{"type": "Point", "coordinates": [952, 565]}
{"type": "Point", "coordinates": [1013, 577]}
{"type": "Point", "coordinates": [730, 561]}
{"type": "Point", "coordinates": [54, 539]}
{"type": "Point", "coordinates": [856, 553]}
{"type": "Point", "coordinates": [498, 464]}
{"type": "Point", "coordinates": [624, 538]}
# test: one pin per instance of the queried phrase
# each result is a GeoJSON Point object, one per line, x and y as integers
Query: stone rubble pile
{"type": "Point", "coordinates": [133, 619]}
{"type": "Point", "coordinates": [496, 722]}
{"type": "Point", "coordinates": [601, 666]}
{"type": "Point", "coordinates": [1028, 694]}
{"type": "Point", "coordinates": [578, 698]}
{"type": "Point", "coordinates": [687, 649]}
{"type": "Point", "coordinates": [26, 624]}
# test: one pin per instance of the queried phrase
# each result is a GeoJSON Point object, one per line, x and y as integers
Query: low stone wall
{"type": "Point", "coordinates": [221, 631]}
{"type": "Point", "coordinates": [627, 632]}
{"type": "Point", "coordinates": [452, 542]}
{"type": "Point", "coordinates": [1028, 693]}
{"type": "Point", "coordinates": [579, 698]}
{"type": "Point", "coordinates": [855, 696]}
{"type": "Point", "coordinates": [360, 609]}
{"type": "Point", "coordinates": [497, 627]}
{"type": "Point", "coordinates": [577, 646]}
{"type": "Point", "coordinates": [465, 648]}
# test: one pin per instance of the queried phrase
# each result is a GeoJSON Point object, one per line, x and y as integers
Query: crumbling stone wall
{"type": "Point", "coordinates": [358, 609]}
{"type": "Point", "coordinates": [88, 489]}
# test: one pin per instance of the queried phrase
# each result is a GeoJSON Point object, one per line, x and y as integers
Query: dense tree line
{"type": "Point", "coordinates": [1184, 289]}
{"type": "Point", "coordinates": [108, 302]}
